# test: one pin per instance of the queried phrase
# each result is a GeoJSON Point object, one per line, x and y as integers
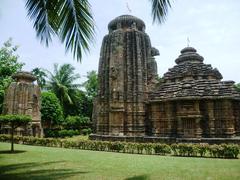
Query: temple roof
{"type": "Point", "coordinates": [192, 79]}
{"type": "Point", "coordinates": [24, 75]}
{"type": "Point", "coordinates": [189, 54]}
{"type": "Point", "coordinates": [195, 89]}
{"type": "Point", "coordinates": [126, 21]}
{"type": "Point", "coordinates": [190, 65]}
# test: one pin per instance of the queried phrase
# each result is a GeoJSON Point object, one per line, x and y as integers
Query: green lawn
{"type": "Point", "coordinates": [33, 162]}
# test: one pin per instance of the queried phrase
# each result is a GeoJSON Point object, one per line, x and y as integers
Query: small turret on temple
{"type": "Point", "coordinates": [23, 97]}
{"type": "Point", "coordinates": [192, 101]}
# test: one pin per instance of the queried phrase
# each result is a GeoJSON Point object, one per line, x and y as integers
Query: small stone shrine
{"type": "Point", "coordinates": [190, 102]}
{"type": "Point", "coordinates": [23, 97]}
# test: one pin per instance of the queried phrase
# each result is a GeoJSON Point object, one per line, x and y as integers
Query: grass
{"type": "Point", "coordinates": [34, 162]}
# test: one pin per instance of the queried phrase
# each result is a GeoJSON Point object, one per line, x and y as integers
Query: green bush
{"type": "Point", "coordinates": [202, 149]}
{"type": "Point", "coordinates": [51, 110]}
{"type": "Point", "coordinates": [181, 149]}
{"type": "Point", "coordinates": [76, 122]}
{"type": "Point", "coordinates": [162, 149]}
{"type": "Point", "coordinates": [86, 131]}
{"type": "Point", "coordinates": [67, 133]}
{"type": "Point", "coordinates": [230, 150]}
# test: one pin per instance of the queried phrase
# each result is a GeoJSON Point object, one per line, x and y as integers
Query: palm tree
{"type": "Point", "coordinates": [41, 75]}
{"type": "Point", "coordinates": [61, 82]}
{"type": "Point", "coordinates": [72, 21]}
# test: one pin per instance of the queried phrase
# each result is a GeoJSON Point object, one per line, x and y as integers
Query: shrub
{"type": "Point", "coordinates": [86, 131]}
{"type": "Point", "coordinates": [220, 151]}
{"type": "Point", "coordinates": [175, 149]}
{"type": "Point", "coordinates": [230, 150]}
{"type": "Point", "coordinates": [76, 122]}
{"type": "Point", "coordinates": [51, 110]}
{"type": "Point", "coordinates": [162, 149]}
{"type": "Point", "coordinates": [148, 147]}
{"type": "Point", "coordinates": [67, 133]}
{"type": "Point", "coordinates": [202, 149]}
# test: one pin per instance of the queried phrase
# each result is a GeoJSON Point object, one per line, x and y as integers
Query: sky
{"type": "Point", "coordinates": [213, 28]}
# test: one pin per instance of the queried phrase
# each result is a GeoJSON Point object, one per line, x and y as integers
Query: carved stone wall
{"type": "Point", "coordinates": [23, 97]}
{"type": "Point", "coordinates": [126, 69]}
{"type": "Point", "coordinates": [192, 101]}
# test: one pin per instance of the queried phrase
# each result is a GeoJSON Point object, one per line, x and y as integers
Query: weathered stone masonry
{"type": "Point", "coordinates": [23, 97]}
{"type": "Point", "coordinates": [191, 102]}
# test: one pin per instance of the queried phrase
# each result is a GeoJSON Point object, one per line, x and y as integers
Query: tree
{"type": "Point", "coordinates": [72, 21]}
{"type": "Point", "coordinates": [9, 65]}
{"type": "Point", "coordinates": [14, 121]}
{"type": "Point", "coordinates": [76, 122]}
{"type": "Point", "coordinates": [51, 110]}
{"type": "Point", "coordinates": [91, 85]}
{"type": "Point", "coordinates": [41, 75]}
{"type": "Point", "coordinates": [237, 86]}
{"type": "Point", "coordinates": [61, 82]}
{"type": "Point", "coordinates": [81, 105]}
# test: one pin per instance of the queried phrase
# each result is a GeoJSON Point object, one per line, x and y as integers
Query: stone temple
{"type": "Point", "coordinates": [191, 101]}
{"type": "Point", "coordinates": [23, 97]}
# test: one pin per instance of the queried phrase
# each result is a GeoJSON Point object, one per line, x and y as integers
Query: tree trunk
{"type": "Point", "coordinates": [12, 140]}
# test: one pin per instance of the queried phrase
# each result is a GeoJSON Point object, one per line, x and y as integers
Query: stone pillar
{"type": "Point", "coordinates": [169, 118]}
{"type": "Point", "coordinates": [198, 131]}
{"type": "Point", "coordinates": [180, 132]}
{"type": "Point", "coordinates": [229, 130]}
{"type": "Point", "coordinates": [211, 118]}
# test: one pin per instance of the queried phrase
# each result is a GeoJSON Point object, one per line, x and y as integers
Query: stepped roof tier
{"type": "Point", "coordinates": [191, 78]}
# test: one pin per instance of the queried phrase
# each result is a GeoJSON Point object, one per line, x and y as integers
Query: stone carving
{"type": "Point", "coordinates": [23, 97]}
{"type": "Point", "coordinates": [191, 102]}
{"type": "Point", "coordinates": [201, 104]}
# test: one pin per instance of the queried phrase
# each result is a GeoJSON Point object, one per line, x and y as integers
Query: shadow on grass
{"type": "Point", "coordinates": [10, 152]}
{"type": "Point", "coordinates": [36, 171]}
{"type": "Point", "coordinates": [141, 177]}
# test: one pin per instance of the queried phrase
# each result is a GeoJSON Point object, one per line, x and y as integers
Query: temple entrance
{"type": "Point", "coordinates": [189, 127]}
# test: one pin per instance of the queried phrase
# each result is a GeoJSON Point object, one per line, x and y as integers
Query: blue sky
{"type": "Point", "coordinates": [213, 28]}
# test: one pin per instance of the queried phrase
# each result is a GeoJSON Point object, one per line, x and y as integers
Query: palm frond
{"type": "Point", "coordinates": [70, 20]}
{"type": "Point", "coordinates": [44, 16]}
{"type": "Point", "coordinates": [77, 26]}
{"type": "Point", "coordinates": [159, 10]}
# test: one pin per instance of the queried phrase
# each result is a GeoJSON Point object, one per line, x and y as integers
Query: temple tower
{"type": "Point", "coordinates": [23, 97]}
{"type": "Point", "coordinates": [127, 72]}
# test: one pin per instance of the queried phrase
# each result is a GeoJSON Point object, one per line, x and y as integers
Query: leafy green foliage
{"type": "Point", "coordinates": [91, 85]}
{"type": "Point", "coordinates": [81, 106]}
{"type": "Point", "coordinates": [41, 75]}
{"type": "Point", "coordinates": [237, 86]}
{"type": "Point", "coordinates": [76, 122]}
{"type": "Point", "coordinates": [67, 133]}
{"type": "Point", "coordinates": [70, 20]}
{"type": "Point", "coordinates": [189, 150]}
{"type": "Point", "coordinates": [51, 109]}
{"type": "Point", "coordinates": [8, 66]}
{"type": "Point", "coordinates": [14, 121]}
{"type": "Point", "coordinates": [61, 83]}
